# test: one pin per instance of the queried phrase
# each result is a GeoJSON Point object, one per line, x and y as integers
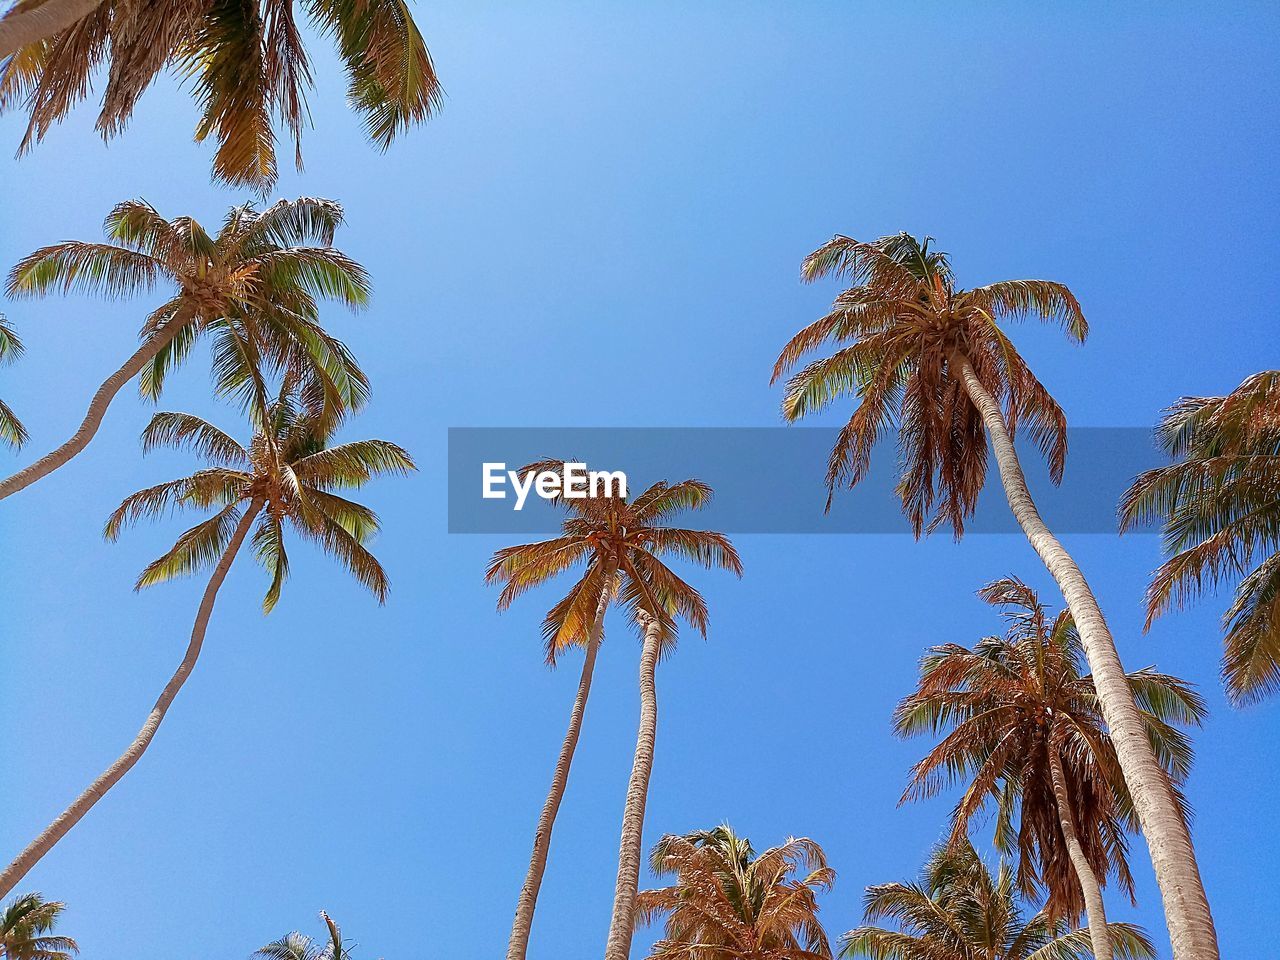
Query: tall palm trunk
{"type": "Point", "coordinates": [97, 408]}
{"type": "Point", "coordinates": [19, 30]}
{"type": "Point", "coordinates": [112, 775]}
{"type": "Point", "coordinates": [622, 926]}
{"type": "Point", "coordinates": [1094, 908]}
{"type": "Point", "coordinates": [519, 943]}
{"type": "Point", "coordinates": [1186, 907]}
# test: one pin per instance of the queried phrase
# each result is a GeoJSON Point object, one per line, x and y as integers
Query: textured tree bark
{"type": "Point", "coordinates": [1094, 908]}
{"type": "Point", "coordinates": [519, 943]}
{"type": "Point", "coordinates": [97, 409]}
{"type": "Point", "coordinates": [622, 925]}
{"type": "Point", "coordinates": [112, 775]}
{"type": "Point", "coordinates": [1186, 907]}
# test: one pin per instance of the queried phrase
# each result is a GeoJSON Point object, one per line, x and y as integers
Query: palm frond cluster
{"type": "Point", "coordinates": [1219, 504]}
{"type": "Point", "coordinates": [727, 900]}
{"type": "Point", "coordinates": [1011, 707]}
{"type": "Point", "coordinates": [246, 63]}
{"type": "Point", "coordinates": [960, 910]}
{"type": "Point", "coordinates": [26, 930]}
{"type": "Point", "coordinates": [289, 475]}
{"type": "Point", "coordinates": [902, 329]}
{"type": "Point", "coordinates": [12, 432]}
{"type": "Point", "coordinates": [252, 288]}
{"type": "Point", "coordinates": [621, 545]}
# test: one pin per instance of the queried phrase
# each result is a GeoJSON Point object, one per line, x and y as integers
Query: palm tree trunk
{"type": "Point", "coordinates": [112, 775]}
{"type": "Point", "coordinates": [97, 409]}
{"type": "Point", "coordinates": [622, 926]}
{"type": "Point", "coordinates": [1094, 908]}
{"type": "Point", "coordinates": [19, 30]}
{"type": "Point", "coordinates": [1186, 907]}
{"type": "Point", "coordinates": [519, 943]}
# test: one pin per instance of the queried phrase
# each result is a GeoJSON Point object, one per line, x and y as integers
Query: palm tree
{"type": "Point", "coordinates": [929, 359]}
{"type": "Point", "coordinates": [728, 903]}
{"type": "Point", "coordinates": [1023, 728]}
{"type": "Point", "coordinates": [287, 475]}
{"type": "Point", "coordinates": [621, 545]}
{"type": "Point", "coordinates": [247, 61]}
{"type": "Point", "coordinates": [1220, 507]}
{"type": "Point", "coordinates": [12, 432]}
{"type": "Point", "coordinates": [959, 911]}
{"type": "Point", "coordinates": [26, 930]}
{"type": "Point", "coordinates": [252, 288]}
{"type": "Point", "coordinates": [298, 946]}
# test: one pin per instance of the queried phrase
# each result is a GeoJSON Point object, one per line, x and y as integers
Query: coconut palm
{"type": "Point", "coordinates": [248, 64]}
{"type": "Point", "coordinates": [12, 432]}
{"type": "Point", "coordinates": [729, 903]}
{"type": "Point", "coordinates": [26, 930]}
{"type": "Point", "coordinates": [959, 910]}
{"type": "Point", "coordinates": [1022, 728]}
{"type": "Point", "coordinates": [929, 359]}
{"type": "Point", "coordinates": [620, 545]}
{"type": "Point", "coordinates": [286, 477]}
{"type": "Point", "coordinates": [298, 946]}
{"type": "Point", "coordinates": [1219, 503]}
{"type": "Point", "coordinates": [252, 288]}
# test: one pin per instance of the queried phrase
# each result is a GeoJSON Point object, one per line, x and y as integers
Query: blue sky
{"type": "Point", "coordinates": [603, 228]}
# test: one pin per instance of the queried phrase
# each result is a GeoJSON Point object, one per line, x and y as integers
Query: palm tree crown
{"type": "Point", "coordinates": [901, 329]}
{"type": "Point", "coordinates": [289, 473]}
{"type": "Point", "coordinates": [1012, 706]}
{"type": "Point", "coordinates": [253, 287]}
{"type": "Point", "coordinates": [1219, 504]}
{"type": "Point", "coordinates": [622, 544]}
{"type": "Point", "coordinates": [729, 901]}
{"type": "Point", "coordinates": [12, 432]}
{"type": "Point", "coordinates": [247, 62]}
{"type": "Point", "coordinates": [26, 930]}
{"type": "Point", "coordinates": [298, 946]}
{"type": "Point", "coordinates": [959, 910]}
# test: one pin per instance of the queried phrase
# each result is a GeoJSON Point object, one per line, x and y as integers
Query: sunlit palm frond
{"type": "Point", "coordinates": [900, 333]}
{"type": "Point", "coordinates": [179, 430]}
{"type": "Point", "coordinates": [197, 548]}
{"type": "Point", "coordinates": [1002, 708]}
{"type": "Point", "coordinates": [76, 266]}
{"type": "Point", "coordinates": [353, 464]}
{"type": "Point", "coordinates": [392, 81]}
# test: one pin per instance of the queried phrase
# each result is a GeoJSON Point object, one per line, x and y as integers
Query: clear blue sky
{"type": "Point", "coordinates": [604, 228]}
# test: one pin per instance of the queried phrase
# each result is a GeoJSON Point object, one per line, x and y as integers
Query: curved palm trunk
{"type": "Point", "coordinates": [1186, 907]}
{"type": "Point", "coordinates": [19, 30]}
{"type": "Point", "coordinates": [97, 409]}
{"type": "Point", "coordinates": [622, 926]}
{"type": "Point", "coordinates": [112, 775]}
{"type": "Point", "coordinates": [1095, 910]}
{"type": "Point", "coordinates": [519, 943]}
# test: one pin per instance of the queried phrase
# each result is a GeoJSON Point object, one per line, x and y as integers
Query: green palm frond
{"type": "Point", "coordinates": [268, 542]}
{"type": "Point", "coordinates": [197, 548]}
{"type": "Point", "coordinates": [12, 432]}
{"type": "Point", "coordinates": [353, 464]}
{"type": "Point", "coordinates": [76, 266]}
{"type": "Point", "coordinates": [393, 82]}
{"type": "Point", "coordinates": [274, 481]}
{"type": "Point", "coordinates": [26, 930]}
{"type": "Point", "coordinates": [179, 430]}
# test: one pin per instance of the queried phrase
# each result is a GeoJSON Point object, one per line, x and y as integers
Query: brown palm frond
{"type": "Point", "coordinates": [1002, 708]}
{"type": "Point", "coordinates": [899, 333]}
